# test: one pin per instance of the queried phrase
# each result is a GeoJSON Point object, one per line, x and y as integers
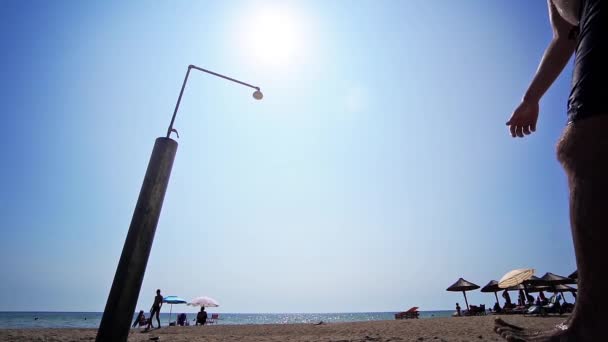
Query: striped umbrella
{"type": "Point", "coordinates": [515, 277]}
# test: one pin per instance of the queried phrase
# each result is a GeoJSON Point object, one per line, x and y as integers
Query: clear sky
{"type": "Point", "coordinates": [376, 171]}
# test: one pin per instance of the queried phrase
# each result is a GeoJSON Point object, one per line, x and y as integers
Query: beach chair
{"type": "Point", "coordinates": [410, 313]}
{"type": "Point", "coordinates": [475, 310]}
{"type": "Point", "coordinates": [214, 318]}
{"type": "Point", "coordinates": [534, 310]}
{"type": "Point", "coordinates": [553, 306]}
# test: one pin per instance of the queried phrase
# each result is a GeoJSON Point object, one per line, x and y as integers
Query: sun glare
{"type": "Point", "coordinates": [274, 37]}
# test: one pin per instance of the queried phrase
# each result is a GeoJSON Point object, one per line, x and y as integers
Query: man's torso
{"type": "Point", "coordinates": [158, 300]}
{"type": "Point", "coordinates": [569, 10]}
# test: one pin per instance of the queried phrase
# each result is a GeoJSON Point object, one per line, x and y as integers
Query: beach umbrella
{"type": "Point", "coordinates": [536, 284]}
{"type": "Point", "coordinates": [204, 301]}
{"type": "Point", "coordinates": [539, 288]}
{"type": "Point", "coordinates": [173, 300]}
{"type": "Point", "coordinates": [515, 277]}
{"type": "Point", "coordinates": [561, 288]}
{"type": "Point", "coordinates": [492, 286]}
{"type": "Point", "coordinates": [574, 275]}
{"type": "Point", "coordinates": [554, 279]}
{"type": "Point", "coordinates": [463, 285]}
{"type": "Point", "coordinates": [516, 287]}
{"type": "Point", "coordinates": [534, 281]}
{"type": "Point", "coordinates": [556, 283]}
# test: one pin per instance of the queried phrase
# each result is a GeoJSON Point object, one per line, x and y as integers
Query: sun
{"type": "Point", "coordinates": [273, 36]}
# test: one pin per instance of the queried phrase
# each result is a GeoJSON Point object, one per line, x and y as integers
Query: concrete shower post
{"type": "Point", "coordinates": [116, 320]}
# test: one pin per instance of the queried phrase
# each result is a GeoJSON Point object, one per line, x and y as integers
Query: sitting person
{"type": "Point", "coordinates": [201, 316]}
{"type": "Point", "coordinates": [497, 307]}
{"type": "Point", "coordinates": [507, 297]}
{"type": "Point", "coordinates": [556, 298]}
{"type": "Point", "coordinates": [521, 298]}
{"type": "Point", "coordinates": [182, 320]}
{"type": "Point", "coordinates": [140, 320]}
{"type": "Point", "coordinates": [554, 305]}
{"type": "Point", "coordinates": [530, 299]}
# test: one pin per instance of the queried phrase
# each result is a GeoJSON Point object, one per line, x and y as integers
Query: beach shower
{"type": "Point", "coordinates": [118, 313]}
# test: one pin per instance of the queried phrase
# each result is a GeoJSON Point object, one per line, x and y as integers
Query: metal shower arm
{"type": "Point", "coordinates": [179, 98]}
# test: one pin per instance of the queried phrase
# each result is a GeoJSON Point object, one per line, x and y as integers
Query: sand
{"type": "Point", "coordinates": [433, 329]}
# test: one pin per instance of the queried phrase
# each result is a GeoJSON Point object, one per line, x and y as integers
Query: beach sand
{"type": "Point", "coordinates": [433, 329]}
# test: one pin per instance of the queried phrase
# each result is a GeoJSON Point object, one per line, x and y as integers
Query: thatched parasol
{"type": "Point", "coordinates": [554, 279]}
{"type": "Point", "coordinates": [463, 285]}
{"type": "Point", "coordinates": [534, 281]}
{"type": "Point", "coordinates": [492, 286]}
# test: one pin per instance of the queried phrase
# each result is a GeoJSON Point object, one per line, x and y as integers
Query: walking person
{"type": "Point", "coordinates": [158, 303]}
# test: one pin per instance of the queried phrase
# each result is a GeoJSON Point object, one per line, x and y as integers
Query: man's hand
{"type": "Point", "coordinates": [523, 120]}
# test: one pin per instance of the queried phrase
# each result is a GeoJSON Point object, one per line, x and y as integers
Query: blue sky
{"type": "Point", "coordinates": [376, 171]}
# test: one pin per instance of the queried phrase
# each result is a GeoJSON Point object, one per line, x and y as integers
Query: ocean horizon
{"type": "Point", "coordinates": [58, 320]}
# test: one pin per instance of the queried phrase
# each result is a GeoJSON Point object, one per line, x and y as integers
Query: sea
{"type": "Point", "coordinates": [33, 320]}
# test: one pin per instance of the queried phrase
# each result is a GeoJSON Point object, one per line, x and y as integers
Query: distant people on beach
{"type": "Point", "coordinates": [201, 316]}
{"type": "Point", "coordinates": [457, 309]}
{"type": "Point", "coordinates": [155, 310]}
{"type": "Point", "coordinates": [182, 319]}
{"type": "Point", "coordinates": [530, 299]}
{"type": "Point", "coordinates": [521, 298]}
{"type": "Point", "coordinates": [140, 320]}
{"type": "Point", "coordinates": [507, 297]}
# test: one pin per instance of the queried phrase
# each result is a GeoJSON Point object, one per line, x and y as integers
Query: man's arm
{"type": "Point", "coordinates": [556, 56]}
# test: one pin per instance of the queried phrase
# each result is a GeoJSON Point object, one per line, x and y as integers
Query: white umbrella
{"type": "Point", "coordinates": [515, 277]}
{"type": "Point", "coordinates": [204, 301]}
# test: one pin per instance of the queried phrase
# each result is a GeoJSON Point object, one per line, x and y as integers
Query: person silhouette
{"type": "Point", "coordinates": [201, 316]}
{"type": "Point", "coordinates": [507, 298]}
{"type": "Point", "coordinates": [158, 303]}
{"type": "Point", "coordinates": [140, 319]}
{"type": "Point", "coordinates": [579, 27]}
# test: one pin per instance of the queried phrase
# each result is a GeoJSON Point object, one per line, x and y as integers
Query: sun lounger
{"type": "Point", "coordinates": [410, 313]}
{"type": "Point", "coordinates": [514, 310]}
{"type": "Point", "coordinates": [475, 310]}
